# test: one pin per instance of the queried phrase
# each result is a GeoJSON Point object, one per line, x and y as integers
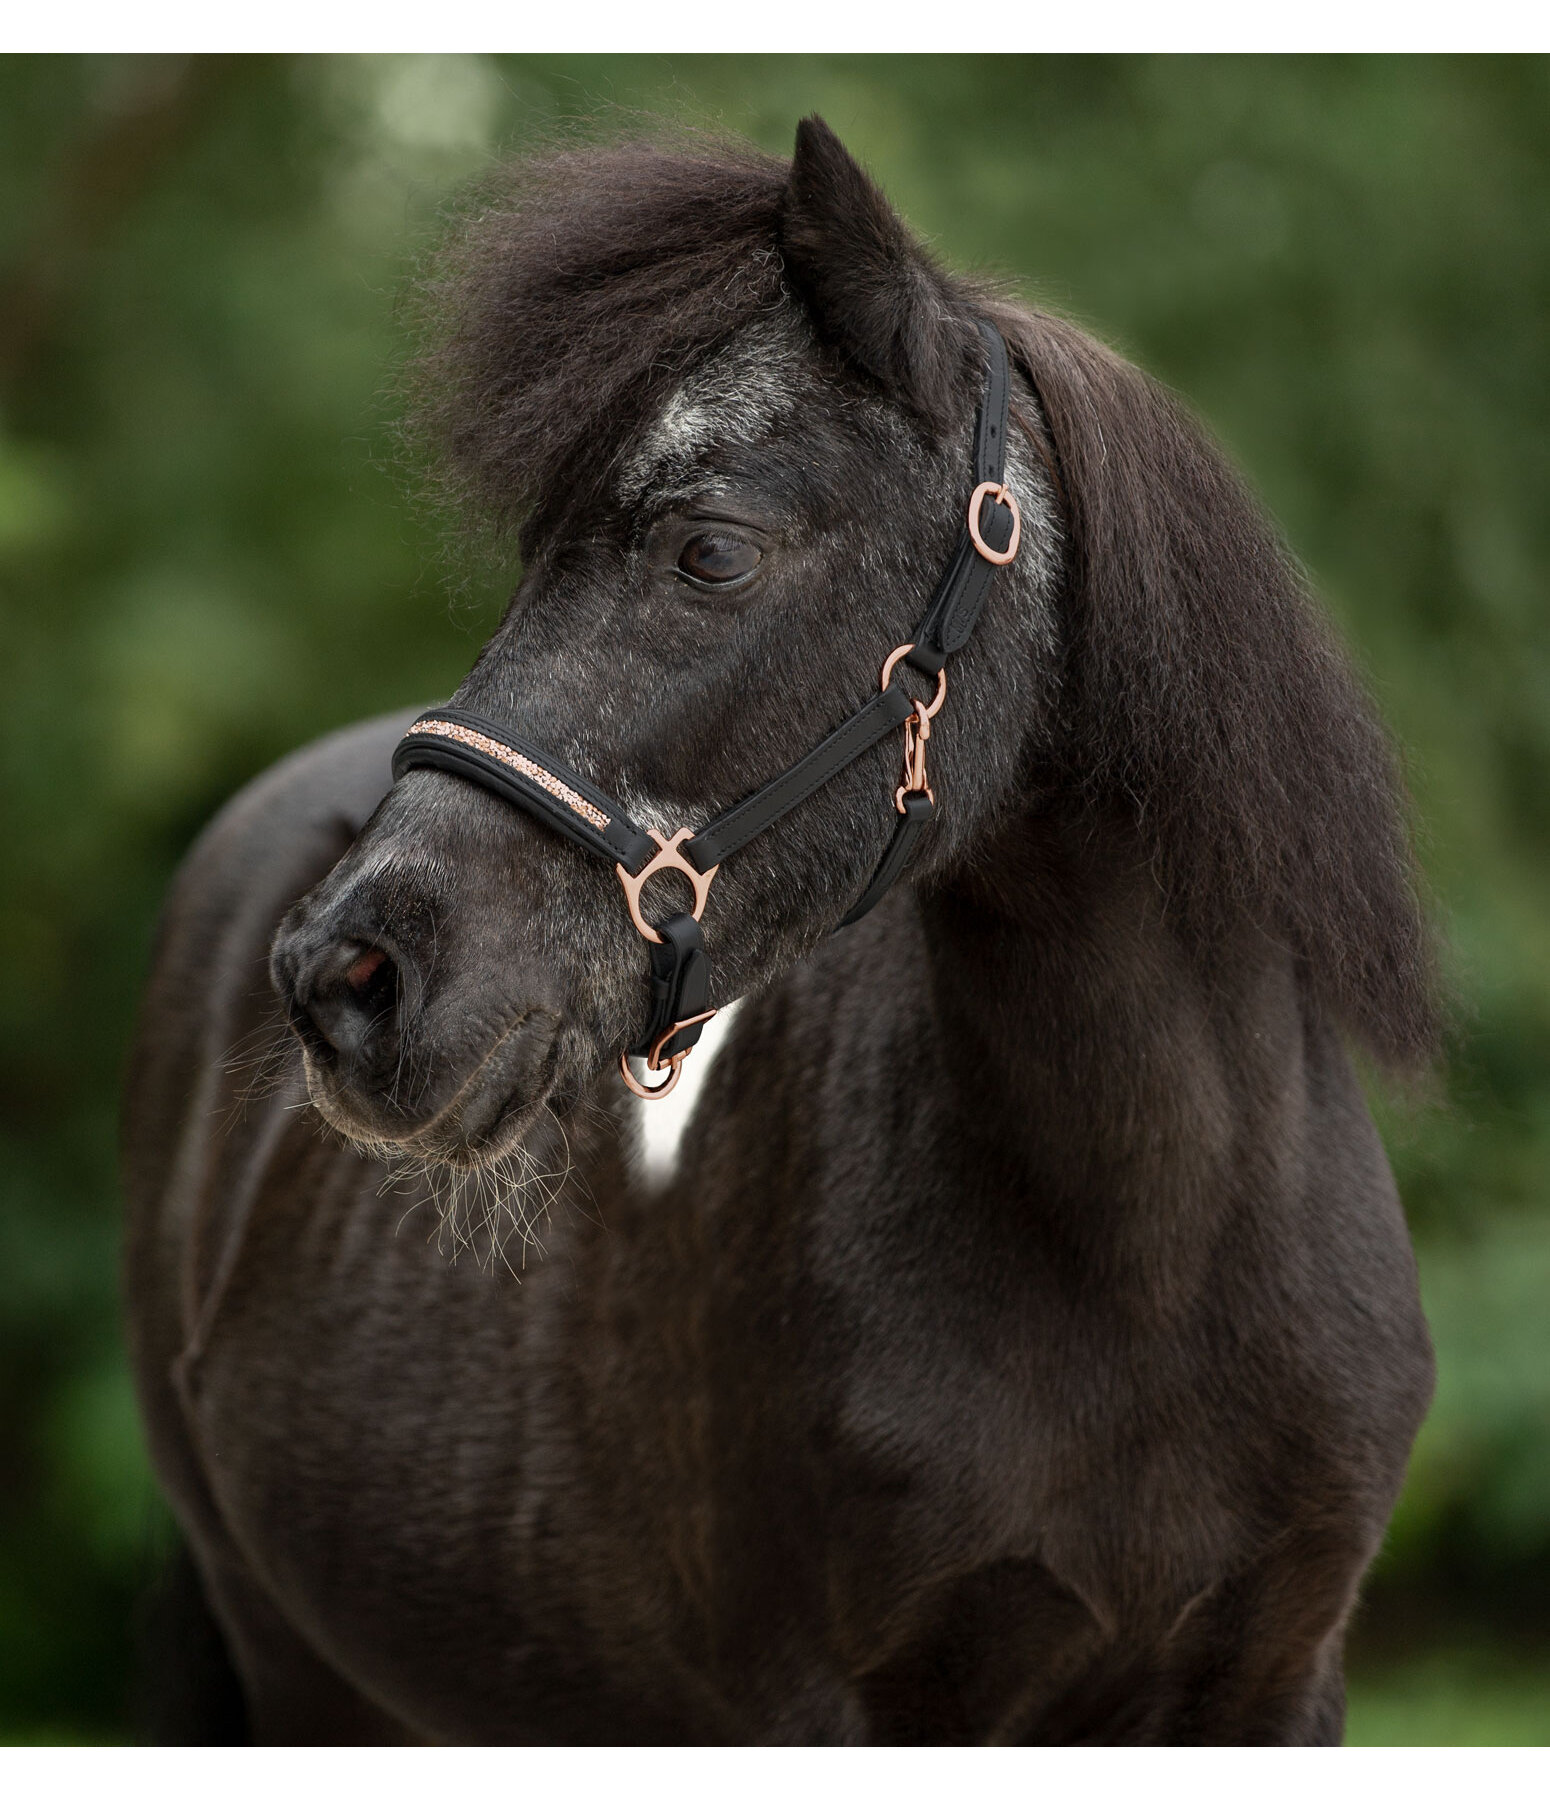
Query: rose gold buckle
{"type": "Point", "coordinates": [1003, 496]}
{"type": "Point", "coordinates": [668, 856]}
{"type": "Point", "coordinates": [653, 1060]}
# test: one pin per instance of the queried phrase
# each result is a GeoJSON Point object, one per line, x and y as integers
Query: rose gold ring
{"type": "Point", "coordinates": [926, 712]}
{"type": "Point", "coordinates": [653, 1060]}
{"type": "Point", "coordinates": [668, 856]}
{"type": "Point", "coordinates": [1003, 496]}
{"type": "Point", "coordinates": [653, 1093]}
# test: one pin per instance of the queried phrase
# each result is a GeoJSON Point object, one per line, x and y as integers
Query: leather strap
{"type": "Point", "coordinates": [680, 985]}
{"type": "Point", "coordinates": [884, 712]}
{"type": "Point", "coordinates": [919, 809]}
{"type": "Point", "coordinates": [515, 769]}
{"type": "Point", "coordinates": [955, 607]}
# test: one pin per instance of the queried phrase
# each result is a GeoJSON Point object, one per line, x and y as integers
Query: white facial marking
{"type": "Point", "coordinates": [737, 395]}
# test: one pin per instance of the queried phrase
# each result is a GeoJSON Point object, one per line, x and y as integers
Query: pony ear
{"type": "Point", "coordinates": [872, 291]}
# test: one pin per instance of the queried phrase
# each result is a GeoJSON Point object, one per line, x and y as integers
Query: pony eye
{"type": "Point", "coordinates": [713, 558]}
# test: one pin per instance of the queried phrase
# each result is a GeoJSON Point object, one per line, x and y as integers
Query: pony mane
{"type": "Point", "coordinates": [1204, 688]}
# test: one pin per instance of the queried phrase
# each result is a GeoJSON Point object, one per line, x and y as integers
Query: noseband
{"type": "Point", "coordinates": [526, 775]}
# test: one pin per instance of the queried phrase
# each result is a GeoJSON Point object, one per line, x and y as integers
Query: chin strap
{"type": "Point", "coordinates": [526, 775]}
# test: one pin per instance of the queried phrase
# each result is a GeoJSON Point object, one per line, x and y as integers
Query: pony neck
{"type": "Point", "coordinates": [1115, 1078]}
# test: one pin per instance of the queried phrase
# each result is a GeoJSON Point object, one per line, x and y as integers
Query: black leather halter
{"type": "Point", "coordinates": [525, 774]}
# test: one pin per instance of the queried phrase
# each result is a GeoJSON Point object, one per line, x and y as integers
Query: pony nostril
{"type": "Point", "coordinates": [346, 1004]}
{"type": "Point", "coordinates": [363, 968]}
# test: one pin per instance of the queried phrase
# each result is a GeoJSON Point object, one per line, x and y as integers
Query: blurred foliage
{"type": "Point", "coordinates": [1464, 1696]}
{"type": "Point", "coordinates": [206, 558]}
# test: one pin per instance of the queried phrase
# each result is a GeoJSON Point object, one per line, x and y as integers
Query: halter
{"type": "Point", "coordinates": [528, 776]}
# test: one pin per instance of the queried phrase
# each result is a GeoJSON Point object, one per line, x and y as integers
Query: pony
{"type": "Point", "coordinates": [1023, 1344]}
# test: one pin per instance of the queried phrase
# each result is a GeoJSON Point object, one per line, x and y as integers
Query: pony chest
{"type": "Point", "coordinates": [354, 1398]}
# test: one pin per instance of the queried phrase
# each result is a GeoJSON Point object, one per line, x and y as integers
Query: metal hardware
{"type": "Point", "coordinates": [1003, 496]}
{"type": "Point", "coordinates": [652, 1093]}
{"type": "Point", "coordinates": [917, 728]}
{"type": "Point", "coordinates": [668, 856]}
{"type": "Point", "coordinates": [654, 1060]}
{"type": "Point", "coordinates": [941, 680]}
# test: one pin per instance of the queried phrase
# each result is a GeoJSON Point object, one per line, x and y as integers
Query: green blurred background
{"type": "Point", "coordinates": [206, 558]}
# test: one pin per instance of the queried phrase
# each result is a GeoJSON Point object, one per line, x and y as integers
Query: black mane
{"type": "Point", "coordinates": [1207, 688]}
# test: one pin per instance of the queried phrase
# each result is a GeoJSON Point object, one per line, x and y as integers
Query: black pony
{"type": "Point", "coordinates": [1025, 1346]}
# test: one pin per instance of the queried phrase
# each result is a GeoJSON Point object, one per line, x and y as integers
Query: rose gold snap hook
{"type": "Point", "coordinates": [668, 856]}
{"type": "Point", "coordinates": [917, 728]}
{"type": "Point", "coordinates": [926, 712]}
{"type": "Point", "coordinates": [1003, 496]}
{"type": "Point", "coordinates": [654, 1056]}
